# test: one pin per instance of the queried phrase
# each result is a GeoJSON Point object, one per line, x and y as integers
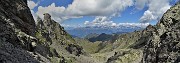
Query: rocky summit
{"type": "Point", "coordinates": [24, 41]}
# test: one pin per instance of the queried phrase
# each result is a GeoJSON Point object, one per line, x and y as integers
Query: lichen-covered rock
{"type": "Point", "coordinates": [74, 49]}
{"type": "Point", "coordinates": [11, 54]}
{"type": "Point", "coordinates": [18, 14]}
{"type": "Point", "coordinates": [15, 17]}
{"type": "Point", "coordinates": [17, 28]}
{"type": "Point", "coordinates": [163, 44]}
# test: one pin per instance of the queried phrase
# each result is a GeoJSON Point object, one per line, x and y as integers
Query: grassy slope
{"type": "Point", "coordinates": [102, 51]}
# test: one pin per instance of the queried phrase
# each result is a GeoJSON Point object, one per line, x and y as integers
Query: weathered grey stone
{"type": "Point", "coordinates": [163, 45]}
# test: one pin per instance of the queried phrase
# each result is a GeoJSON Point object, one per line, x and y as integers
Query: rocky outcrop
{"type": "Point", "coordinates": [54, 41]}
{"type": "Point", "coordinates": [74, 49]}
{"type": "Point", "coordinates": [16, 19]}
{"type": "Point", "coordinates": [18, 14]}
{"type": "Point", "coordinates": [16, 33]}
{"type": "Point", "coordinates": [163, 44]}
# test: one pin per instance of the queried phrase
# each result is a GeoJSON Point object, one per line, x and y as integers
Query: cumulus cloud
{"type": "Point", "coordinates": [156, 8]}
{"type": "Point", "coordinates": [57, 12]}
{"type": "Point", "coordinates": [148, 16]}
{"type": "Point", "coordinates": [102, 10]}
{"type": "Point", "coordinates": [103, 21]}
{"type": "Point", "coordinates": [80, 8]}
{"type": "Point", "coordinates": [155, 11]}
{"type": "Point", "coordinates": [31, 4]}
{"type": "Point", "coordinates": [97, 7]}
{"type": "Point", "coordinates": [141, 25]}
{"type": "Point", "coordinates": [140, 4]}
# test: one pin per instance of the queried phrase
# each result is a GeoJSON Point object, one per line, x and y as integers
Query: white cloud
{"type": "Point", "coordinates": [148, 16]}
{"type": "Point", "coordinates": [141, 25]}
{"type": "Point", "coordinates": [32, 4]}
{"type": "Point", "coordinates": [98, 7]}
{"type": "Point", "coordinates": [156, 8]}
{"type": "Point", "coordinates": [101, 21]}
{"type": "Point", "coordinates": [103, 10]}
{"type": "Point", "coordinates": [155, 11]}
{"type": "Point", "coordinates": [56, 12]}
{"type": "Point", "coordinates": [80, 8]}
{"type": "Point", "coordinates": [140, 4]}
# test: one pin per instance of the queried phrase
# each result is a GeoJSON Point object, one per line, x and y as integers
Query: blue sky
{"type": "Point", "coordinates": [45, 3]}
{"type": "Point", "coordinates": [130, 13]}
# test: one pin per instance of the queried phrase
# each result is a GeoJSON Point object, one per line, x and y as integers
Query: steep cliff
{"type": "Point", "coordinates": [17, 29]}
